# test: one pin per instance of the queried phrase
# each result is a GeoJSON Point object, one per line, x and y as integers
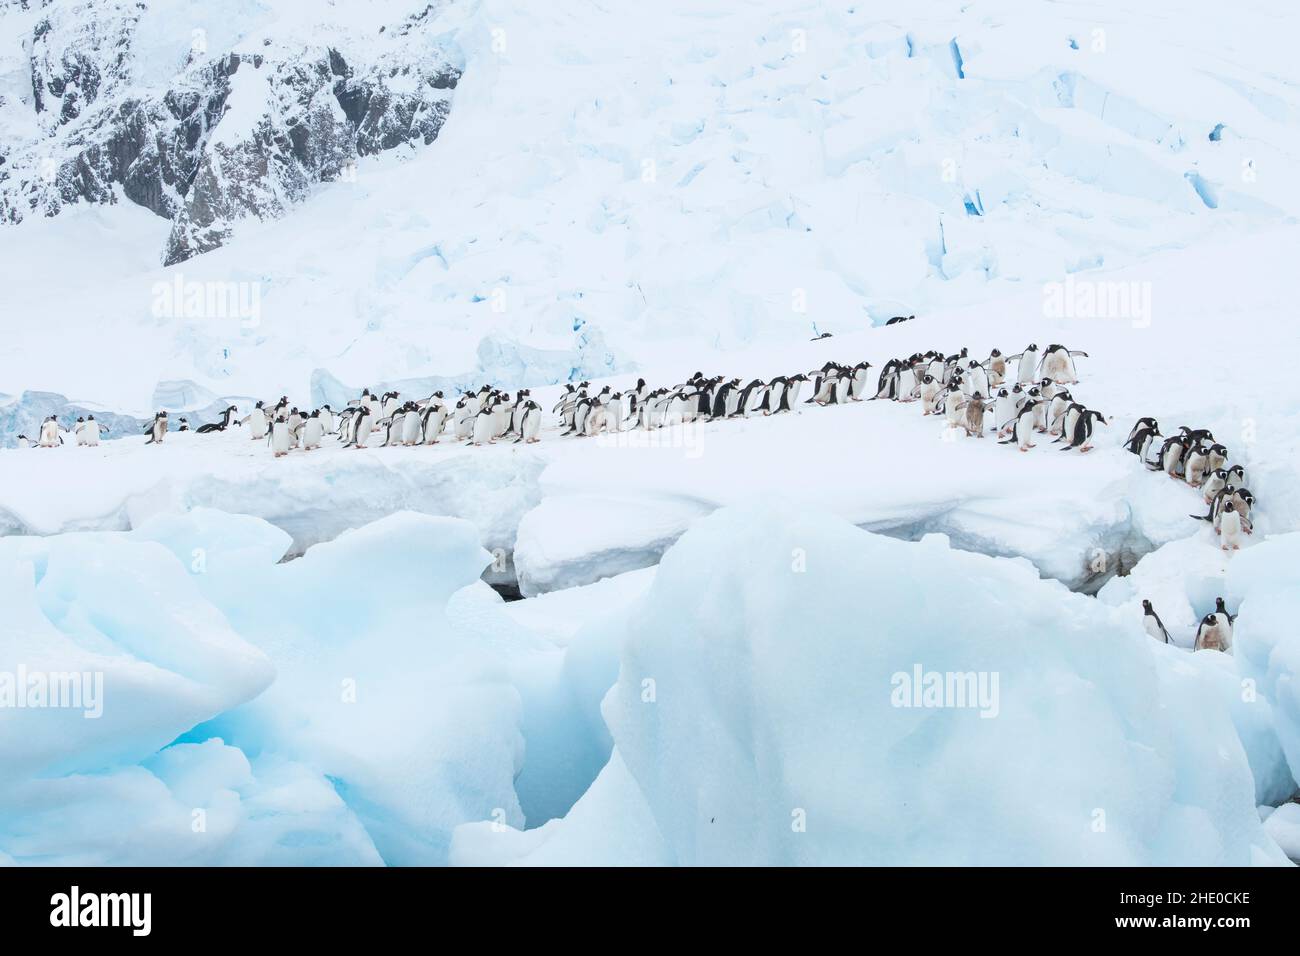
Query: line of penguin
{"type": "Point", "coordinates": [87, 432]}
{"type": "Point", "coordinates": [1193, 456]}
{"type": "Point", "coordinates": [955, 385]}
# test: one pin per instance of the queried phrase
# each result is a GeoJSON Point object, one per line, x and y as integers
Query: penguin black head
{"type": "Point", "coordinates": [1032, 347]}
{"type": "Point", "coordinates": [1146, 605]}
{"type": "Point", "coordinates": [1229, 507]}
{"type": "Point", "coordinates": [80, 419]}
{"type": "Point", "coordinates": [90, 418]}
{"type": "Point", "coordinates": [995, 353]}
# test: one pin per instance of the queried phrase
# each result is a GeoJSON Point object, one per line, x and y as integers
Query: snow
{"type": "Point", "coordinates": [303, 655]}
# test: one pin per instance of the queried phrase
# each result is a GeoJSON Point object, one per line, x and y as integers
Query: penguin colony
{"type": "Point", "coordinates": [1031, 396]}
{"type": "Point", "coordinates": [1194, 457]}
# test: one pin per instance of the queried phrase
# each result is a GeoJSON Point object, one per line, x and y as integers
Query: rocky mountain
{"type": "Point", "coordinates": [225, 135]}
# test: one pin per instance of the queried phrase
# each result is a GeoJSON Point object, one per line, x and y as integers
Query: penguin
{"type": "Point", "coordinates": [50, 436]}
{"type": "Point", "coordinates": [1140, 440]}
{"type": "Point", "coordinates": [530, 423]}
{"type": "Point", "coordinates": [184, 424]}
{"type": "Point", "coordinates": [22, 441]}
{"type": "Point", "coordinates": [897, 319]}
{"type": "Point", "coordinates": [953, 406]}
{"type": "Point", "coordinates": [931, 394]}
{"type": "Point", "coordinates": [1056, 409]}
{"type": "Point", "coordinates": [313, 429]}
{"type": "Point", "coordinates": [786, 390]}
{"type": "Point", "coordinates": [1151, 621]}
{"type": "Point", "coordinates": [432, 420]}
{"type": "Point", "coordinates": [1005, 411]}
{"type": "Point", "coordinates": [1027, 370]}
{"type": "Point", "coordinates": [279, 436]}
{"type": "Point", "coordinates": [1221, 609]}
{"type": "Point", "coordinates": [975, 415]}
{"type": "Point", "coordinates": [363, 423]}
{"type": "Point", "coordinates": [1081, 435]}
{"type": "Point", "coordinates": [327, 419]}
{"type": "Point", "coordinates": [157, 429]}
{"type": "Point", "coordinates": [1194, 465]}
{"type": "Point", "coordinates": [750, 397]}
{"type": "Point", "coordinates": [579, 421]}
{"type": "Point", "coordinates": [1236, 477]}
{"type": "Point", "coordinates": [483, 427]}
{"type": "Point", "coordinates": [859, 385]}
{"type": "Point", "coordinates": [1230, 528]}
{"type": "Point", "coordinates": [996, 367]}
{"type": "Point", "coordinates": [1212, 635]}
{"type": "Point", "coordinates": [597, 418]}
{"type": "Point", "coordinates": [818, 338]}
{"type": "Point", "coordinates": [78, 427]}
{"type": "Point", "coordinates": [1058, 364]}
{"type": "Point", "coordinates": [1141, 425]}
{"type": "Point", "coordinates": [463, 419]}
{"type": "Point", "coordinates": [1215, 482]}
{"type": "Point", "coordinates": [1171, 455]}
{"type": "Point", "coordinates": [975, 379]}
{"type": "Point", "coordinates": [389, 404]}
{"type": "Point", "coordinates": [1023, 431]}
{"type": "Point", "coordinates": [257, 422]}
{"type": "Point", "coordinates": [226, 418]}
{"type": "Point", "coordinates": [411, 425]}
{"type": "Point", "coordinates": [1216, 458]}
{"type": "Point", "coordinates": [92, 432]}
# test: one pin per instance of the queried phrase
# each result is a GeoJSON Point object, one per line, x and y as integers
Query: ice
{"type": "Point", "coordinates": [1283, 825]}
{"type": "Point", "coordinates": [771, 710]}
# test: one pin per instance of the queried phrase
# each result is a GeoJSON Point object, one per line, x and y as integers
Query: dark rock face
{"type": "Point", "coordinates": [305, 115]}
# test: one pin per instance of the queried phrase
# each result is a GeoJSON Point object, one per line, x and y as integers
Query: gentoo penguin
{"type": "Point", "coordinates": [93, 431]}
{"type": "Point", "coordinates": [784, 391]}
{"type": "Point", "coordinates": [313, 429]}
{"type": "Point", "coordinates": [1216, 458]}
{"type": "Point", "coordinates": [327, 419]}
{"type": "Point", "coordinates": [1221, 610]}
{"type": "Point", "coordinates": [1194, 465]}
{"type": "Point", "coordinates": [530, 424]}
{"type": "Point", "coordinates": [463, 419]}
{"type": "Point", "coordinates": [975, 379]}
{"type": "Point", "coordinates": [184, 425]}
{"type": "Point", "coordinates": [226, 417]}
{"type": "Point", "coordinates": [1142, 424]}
{"type": "Point", "coordinates": [887, 381]}
{"type": "Point", "coordinates": [157, 429]}
{"type": "Point", "coordinates": [1022, 431]}
{"type": "Point", "coordinates": [1215, 482]}
{"type": "Point", "coordinates": [931, 390]}
{"type": "Point", "coordinates": [411, 425]}
{"type": "Point", "coordinates": [279, 437]}
{"type": "Point", "coordinates": [389, 404]}
{"type": "Point", "coordinates": [23, 441]}
{"type": "Point", "coordinates": [975, 415]}
{"type": "Point", "coordinates": [432, 420]}
{"type": "Point", "coordinates": [1213, 634]}
{"type": "Point", "coordinates": [1236, 477]}
{"type": "Point", "coordinates": [1080, 436]}
{"type": "Point", "coordinates": [1171, 455]}
{"type": "Point", "coordinates": [1230, 528]}
{"type": "Point", "coordinates": [1058, 364]}
{"type": "Point", "coordinates": [1056, 409]}
{"type": "Point", "coordinates": [996, 366]}
{"type": "Point", "coordinates": [1005, 410]}
{"type": "Point", "coordinates": [256, 421]}
{"type": "Point", "coordinates": [859, 386]}
{"type": "Point", "coordinates": [1027, 370]}
{"type": "Point", "coordinates": [50, 437]}
{"type": "Point", "coordinates": [893, 321]}
{"type": "Point", "coordinates": [597, 418]}
{"type": "Point", "coordinates": [78, 428]}
{"type": "Point", "coordinates": [483, 427]}
{"type": "Point", "coordinates": [953, 406]}
{"type": "Point", "coordinates": [1151, 620]}
{"type": "Point", "coordinates": [362, 424]}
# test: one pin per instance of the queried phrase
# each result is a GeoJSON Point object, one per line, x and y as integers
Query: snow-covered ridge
{"type": "Point", "coordinates": [227, 133]}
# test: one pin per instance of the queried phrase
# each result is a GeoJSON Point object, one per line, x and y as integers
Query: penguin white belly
{"type": "Point", "coordinates": [1027, 370]}
{"type": "Point", "coordinates": [1230, 530]}
{"type": "Point", "coordinates": [483, 428]}
{"type": "Point", "coordinates": [411, 429]}
{"type": "Point", "coordinates": [1057, 368]}
{"type": "Point", "coordinates": [257, 425]}
{"type": "Point", "coordinates": [311, 433]}
{"type": "Point", "coordinates": [1153, 629]}
{"type": "Point", "coordinates": [49, 435]}
{"type": "Point", "coordinates": [531, 426]}
{"type": "Point", "coordinates": [91, 434]}
{"type": "Point", "coordinates": [280, 439]}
